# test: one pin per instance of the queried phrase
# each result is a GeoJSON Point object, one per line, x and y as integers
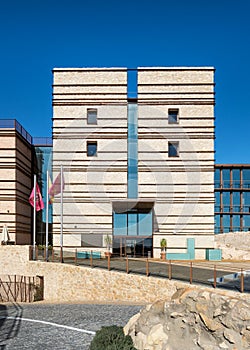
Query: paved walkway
{"type": "Point", "coordinates": [57, 327]}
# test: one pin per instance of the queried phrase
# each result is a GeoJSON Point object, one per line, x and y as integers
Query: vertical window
{"type": "Point", "coordinates": [91, 116]}
{"type": "Point", "coordinates": [226, 223]}
{"type": "Point", "coordinates": [236, 223]}
{"type": "Point", "coordinates": [217, 201]}
{"type": "Point", "coordinates": [236, 201]}
{"type": "Point", "coordinates": [226, 201]}
{"type": "Point", "coordinates": [91, 148]}
{"type": "Point", "coordinates": [246, 178]}
{"type": "Point", "coordinates": [173, 116]}
{"type": "Point", "coordinates": [236, 178]}
{"type": "Point", "coordinates": [173, 149]}
{"type": "Point", "coordinates": [217, 178]}
{"type": "Point", "coordinates": [217, 223]}
{"type": "Point", "coordinates": [226, 178]}
{"type": "Point", "coordinates": [120, 224]}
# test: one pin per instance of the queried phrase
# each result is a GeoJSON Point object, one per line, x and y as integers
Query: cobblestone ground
{"type": "Point", "coordinates": [20, 326]}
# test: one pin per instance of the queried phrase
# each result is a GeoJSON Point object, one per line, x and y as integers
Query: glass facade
{"type": "Point", "coordinates": [133, 223]}
{"type": "Point", "coordinates": [132, 232]}
{"type": "Point", "coordinates": [43, 155]}
{"type": "Point", "coordinates": [132, 151]}
{"type": "Point", "coordinates": [232, 198]}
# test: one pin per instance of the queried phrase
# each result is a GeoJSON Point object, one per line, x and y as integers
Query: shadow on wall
{"type": "Point", "coordinates": [10, 321]}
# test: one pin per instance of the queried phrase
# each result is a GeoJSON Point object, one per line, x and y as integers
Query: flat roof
{"type": "Point", "coordinates": [130, 68]}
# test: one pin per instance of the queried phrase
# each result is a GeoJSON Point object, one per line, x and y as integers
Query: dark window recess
{"type": "Point", "coordinates": [91, 148]}
{"type": "Point", "coordinates": [173, 116]}
{"type": "Point", "coordinates": [92, 116]}
{"type": "Point", "coordinates": [173, 149]}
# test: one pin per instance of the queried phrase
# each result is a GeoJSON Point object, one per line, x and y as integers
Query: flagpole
{"type": "Point", "coordinates": [34, 220]}
{"type": "Point", "coordinates": [47, 218]}
{"type": "Point", "coordinates": [61, 231]}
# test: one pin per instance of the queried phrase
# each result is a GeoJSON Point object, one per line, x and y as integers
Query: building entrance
{"type": "Point", "coordinates": [132, 232]}
{"type": "Point", "coordinates": [132, 247]}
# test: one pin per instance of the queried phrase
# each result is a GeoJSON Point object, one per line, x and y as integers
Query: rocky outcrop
{"type": "Point", "coordinates": [234, 245]}
{"type": "Point", "coordinates": [194, 319]}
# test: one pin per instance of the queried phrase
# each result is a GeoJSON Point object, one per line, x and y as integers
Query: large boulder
{"type": "Point", "coordinates": [193, 319]}
{"type": "Point", "coordinates": [234, 245]}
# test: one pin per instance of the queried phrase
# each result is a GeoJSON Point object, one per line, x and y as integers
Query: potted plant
{"type": "Point", "coordinates": [163, 244]}
{"type": "Point", "coordinates": [108, 242]}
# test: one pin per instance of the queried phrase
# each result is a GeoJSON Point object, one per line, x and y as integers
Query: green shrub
{"type": "Point", "coordinates": [111, 338]}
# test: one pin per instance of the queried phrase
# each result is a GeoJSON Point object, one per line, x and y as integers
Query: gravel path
{"type": "Point", "coordinates": [20, 326]}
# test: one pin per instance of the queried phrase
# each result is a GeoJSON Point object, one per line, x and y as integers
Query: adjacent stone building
{"type": "Point", "coordinates": [22, 156]}
{"type": "Point", "coordinates": [15, 180]}
{"type": "Point", "coordinates": [137, 149]}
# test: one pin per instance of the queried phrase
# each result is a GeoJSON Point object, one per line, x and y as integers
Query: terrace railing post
{"type": "Point", "coordinates": [169, 270]}
{"type": "Point", "coordinates": [25, 291]}
{"type": "Point", "coordinates": [127, 267]}
{"type": "Point", "coordinates": [76, 256]}
{"type": "Point", "coordinates": [191, 272]}
{"type": "Point", "coordinates": [91, 259]}
{"type": "Point", "coordinates": [242, 281]}
{"type": "Point", "coordinates": [215, 276]}
{"type": "Point", "coordinates": [61, 254]}
{"type": "Point", "coordinates": [147, 267]}
{"type": "Point", "coordinates": [109, 262]}
{"type": "Point", "coordinates": [15, 293]}
{"type": "Point", "coordinates": [29, 290]}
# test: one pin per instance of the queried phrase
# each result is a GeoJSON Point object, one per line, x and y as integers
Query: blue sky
{"type": "Point", "coordinates": [37, 35]}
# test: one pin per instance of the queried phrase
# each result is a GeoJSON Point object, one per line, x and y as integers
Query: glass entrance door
{"type": "Point", "coordinates": [133, 232]}
{"type": "Point", "coordinates": [132, 247]}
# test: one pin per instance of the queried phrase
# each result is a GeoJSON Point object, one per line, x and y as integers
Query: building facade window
{"type": "Point", "coordinates": [173, 116]}
{"type": "Point", "coordinates": [92, 116]}
{"type": "Point", "coordinates": [91, 148]}
{"type": "Point", "coordinates": [173, 149]}
{"type": "Point", "coordinates": [232, 198]}
{"type": "Point", "coordinates": [133, 223]}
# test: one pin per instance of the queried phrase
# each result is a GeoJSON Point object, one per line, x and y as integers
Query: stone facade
{"type": "Point", "coordinates": [179, 189]}
{"type": "Point", "coordinates": [15, 183]}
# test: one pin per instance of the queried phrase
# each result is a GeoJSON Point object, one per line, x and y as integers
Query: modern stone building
{"type": "Point", "coordinates": [20, 157]}
{"type": "Point", "coordinates": [137, 148]}
{"type": "Point", "coordinates": [15, 180]}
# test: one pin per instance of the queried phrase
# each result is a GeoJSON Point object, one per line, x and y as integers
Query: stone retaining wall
{"type": "Point", "coordinates": [66, 283]}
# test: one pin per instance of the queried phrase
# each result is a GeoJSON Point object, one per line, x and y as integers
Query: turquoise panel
{"type": "Point", "coordinates": [213, 254]}
{"type": "Point", "coordinates": [191, 248]}
{"type": "Point", "coordinates": [178, 256]}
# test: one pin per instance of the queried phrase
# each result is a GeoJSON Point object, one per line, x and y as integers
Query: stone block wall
{"type": "Point", "coordinates": [15, 185]}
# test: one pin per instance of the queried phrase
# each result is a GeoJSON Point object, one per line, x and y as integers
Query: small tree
{"type": "Point", "coordinates": [163, 244]}
{"type": "Point", "coordinates": [108, 242]}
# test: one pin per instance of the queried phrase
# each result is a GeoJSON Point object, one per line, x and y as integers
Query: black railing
{"type": "Point", "coordinates": [14, 124]}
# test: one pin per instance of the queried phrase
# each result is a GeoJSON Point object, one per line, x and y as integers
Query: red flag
{"type": "Point", "coordinates": [39, 199]}
{"type": "Point", "coordinates": [55, 188]}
